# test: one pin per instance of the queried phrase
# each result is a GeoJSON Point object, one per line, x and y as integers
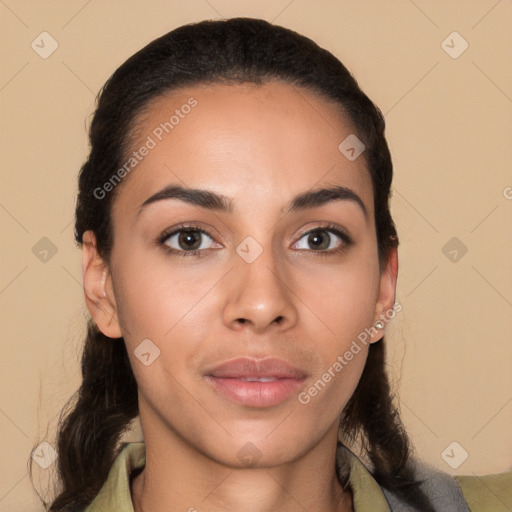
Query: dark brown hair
{"type": "Point", "coordinates": [230, 51]}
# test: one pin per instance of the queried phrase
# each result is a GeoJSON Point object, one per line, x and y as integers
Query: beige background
{"type": "Point", "coordinates": [449, 128]}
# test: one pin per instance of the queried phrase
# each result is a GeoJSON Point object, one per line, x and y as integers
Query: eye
{"type": "Point", "coordinates": [324, 240]}
{"type": "Point", "coordinates": [186, 241]}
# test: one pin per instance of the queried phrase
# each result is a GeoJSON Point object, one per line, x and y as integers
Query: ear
{"type": "Point", "coordinates": [384, 308]}
{"type": "Point", "coordinates": [99, 292]}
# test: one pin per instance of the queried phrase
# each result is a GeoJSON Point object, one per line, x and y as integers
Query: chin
{"type": "Point", "coordinates": [259, 452]}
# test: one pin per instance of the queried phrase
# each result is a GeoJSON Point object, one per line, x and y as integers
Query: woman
{"type": "Point", "coordinates": [240, 266]}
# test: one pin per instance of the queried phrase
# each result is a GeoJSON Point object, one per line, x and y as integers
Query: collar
{"type": "Point", "coordinates": [115, 494]}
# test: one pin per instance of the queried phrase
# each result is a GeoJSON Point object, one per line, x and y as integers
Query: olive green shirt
{"type": "Point", "coordinates": [491, 493]}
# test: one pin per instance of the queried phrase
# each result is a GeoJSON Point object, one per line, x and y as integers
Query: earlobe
{"type": "Point", "coordinates": [384, 309]}
{"type": "Point", "coordinates": [97, 282]}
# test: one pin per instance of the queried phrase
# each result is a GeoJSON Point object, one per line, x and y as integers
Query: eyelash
{"type": "Point", "coordinates": [330, 228]}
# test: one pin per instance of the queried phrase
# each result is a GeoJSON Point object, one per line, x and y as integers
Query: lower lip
{"type": "Point", "coordinates": [256, 394]}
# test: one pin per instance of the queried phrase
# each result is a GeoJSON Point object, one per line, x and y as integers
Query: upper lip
{"type": "Point", "coordinates": [245, 367]}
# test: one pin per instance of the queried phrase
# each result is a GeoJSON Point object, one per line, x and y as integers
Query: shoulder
{"type": "Point", "coordinates": [487, 493]}
{"type": "Point", "coordinates": [115, 495]}
{"type": "Point", "coordinates": [442, 490]}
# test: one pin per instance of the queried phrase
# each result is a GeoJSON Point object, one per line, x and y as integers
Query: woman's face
{"type": "Point", "coordinates": [241, 349]}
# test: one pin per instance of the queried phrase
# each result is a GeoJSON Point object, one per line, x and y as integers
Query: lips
{"type": "Point", "coordinates": [256, 383]}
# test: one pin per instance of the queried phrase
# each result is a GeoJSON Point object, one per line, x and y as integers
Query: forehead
{"type": "Point", "coordinates": [246, 141]}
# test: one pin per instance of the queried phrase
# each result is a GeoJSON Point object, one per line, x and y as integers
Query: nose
{"type": "Point", "coordinates": [260, 297]}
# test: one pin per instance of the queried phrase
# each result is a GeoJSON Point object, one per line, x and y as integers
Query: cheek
{"type": "Point", "coordinates": [155, 304]}
{"type": "Point", "coordinates": [166, 303]}
{"type": "Point", "coordinates": [328, 391]}
{"type": "Point", "coordinates": [342, 302]}
{"type": "Point", "coordinates": [342, 297]}
{"type": "Point", "coordinates": [152, 294]}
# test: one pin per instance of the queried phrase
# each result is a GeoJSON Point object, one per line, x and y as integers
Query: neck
{"type": "Point", "coordinates": [257, 491]}
{"type": "Point", "coordinates": [178, 477]}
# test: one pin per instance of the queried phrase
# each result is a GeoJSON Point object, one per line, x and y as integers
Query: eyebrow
{"type": "Point", "coordinates": [213, 201]}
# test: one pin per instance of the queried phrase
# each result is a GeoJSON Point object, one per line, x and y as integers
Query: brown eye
{"type": "Point", "coordinates": [186, 240]}
{"type": "Point", "coordinates": [319, 240]}
{"type": "Point", "coordinates": [326, 240]}
{"type": "Point", "coordinates": [189, 240]}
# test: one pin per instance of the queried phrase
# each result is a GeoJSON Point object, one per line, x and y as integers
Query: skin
{"type": "Point", "coordinates": [259, 146]}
